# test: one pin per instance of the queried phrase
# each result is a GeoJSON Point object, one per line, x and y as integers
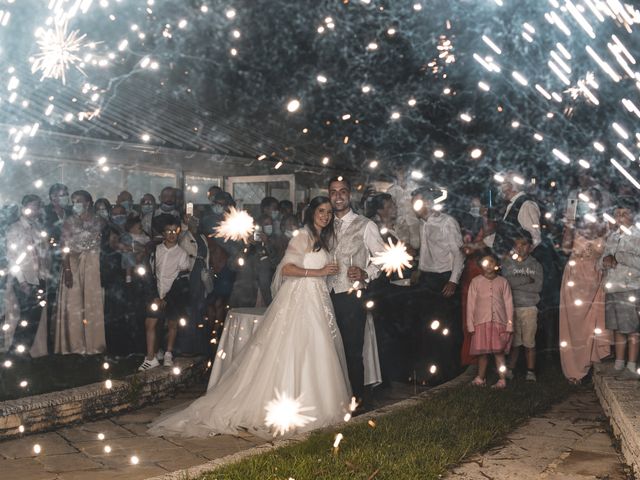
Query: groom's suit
{"type": "Point", "coordinates": [357, 240]}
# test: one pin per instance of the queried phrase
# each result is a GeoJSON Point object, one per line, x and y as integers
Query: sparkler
{"type": "Point", "coordinates": [394, 258]}
{"type": "Point", "coordinates": [59, 51]}
{"type": "Point", "coordinates": [237, 225]}
{"type": "Point", "coordinates": [285, 413]}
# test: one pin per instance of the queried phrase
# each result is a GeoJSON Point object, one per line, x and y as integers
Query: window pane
{"type": "Point", "coordinates": [196, 188]}
{"type": "Point", "coordinates": [139, 183]}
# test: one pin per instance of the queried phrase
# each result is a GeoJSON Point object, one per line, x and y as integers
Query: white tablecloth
{"type": "Point", "coordinates": [242, 322]}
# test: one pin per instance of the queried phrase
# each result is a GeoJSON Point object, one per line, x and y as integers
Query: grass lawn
{"type": "Point", "coordinates": [420, 442]}
{"type": "Point", "coordinates": [59, 372]}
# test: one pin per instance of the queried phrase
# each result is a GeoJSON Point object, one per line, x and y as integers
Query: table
{"type": "Point", "coordinates": [240, 325]}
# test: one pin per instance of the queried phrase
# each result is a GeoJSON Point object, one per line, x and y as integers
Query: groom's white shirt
{"type": "Point", "coordinates": [372, 240]}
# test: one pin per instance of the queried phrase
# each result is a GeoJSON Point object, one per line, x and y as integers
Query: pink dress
{"type": "Point", "coordinates": [582, 310]}
{"type": "Point", "coordinates": [490, 315]}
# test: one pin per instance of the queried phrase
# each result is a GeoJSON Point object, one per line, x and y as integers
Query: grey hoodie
{"type": "Point", "coordinates": [525, 279]}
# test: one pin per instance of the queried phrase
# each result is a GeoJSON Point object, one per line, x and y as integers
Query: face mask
{"type": "Point", "coordinates": [275, 215]}
{"type": "Point", "coordinates": [166, 207]}
{"type": "Point", "coordinates": [63, 200]}
{"type": "Point", "coordinates": [146, 209]}
{"type": "Point", "coordinates": [475, 211]}
{"type": "Point", "coordinates": [218, 209]}
{"type": "Point", "coordinates": [582, 209]}
{"type": "Point", "coordinates": [78, 208]}
{"type": "Point", "coordinates": [289, 233]}
{"type": "Point", "coordinates": [126, 205]}
{"type": "Point", "coordinates": [119, 219]}
{"type": "Point", "coordinates": [267, 229]}
{"type": "Point", "coordinates": [103, 213]}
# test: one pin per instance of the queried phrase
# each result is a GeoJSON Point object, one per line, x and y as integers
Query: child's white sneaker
{"type": "Point", "coordinates": [168, 359]}
{"type": "Point", "coordinates": [148, 365]}
{"type": "Point", "coordinates": [531, 376]}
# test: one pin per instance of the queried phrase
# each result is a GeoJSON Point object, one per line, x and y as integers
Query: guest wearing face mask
{"type": "Point", "coordinates": [222, 253]}
{"type": "Point", "coordinates": [269, 207]}
{"type": "Point", "coordinates": [194, 335]}
{"type": "Point", "coordinates": [147, 209]}
{"type": "Point", "coordinates": [212, 192]}
{"type": "Point", "coordinates": [168, 205]}
{"type": "Point", "coordinates": [102, 206]}
{"type": "Point", "coordinates": [119, 217]}
{"type": "Point", "coordinates": [125, 200]}
{"type": "Point", "coordinates": [288, 228]}
{"type": "Point", "coordinates": [266, 259]}
{"type": "Point", "coordinates": [80, 315]}
{"type": "Point", "coordinates": [27, 320]}
{"type": "Point", "coordinates": [54, 216]}
{"type": "Point", "coordinates": [286, 208]}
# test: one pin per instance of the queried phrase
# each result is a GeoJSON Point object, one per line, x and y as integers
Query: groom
{"type": "Point", "coordinates": [357, 240]}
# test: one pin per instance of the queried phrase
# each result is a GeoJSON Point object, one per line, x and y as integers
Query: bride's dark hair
{"type": "Point", "coordinates": [326, 235]}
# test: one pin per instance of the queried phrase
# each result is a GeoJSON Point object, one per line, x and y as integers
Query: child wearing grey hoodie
{"type": "Point", "coordinates": [524, 274]}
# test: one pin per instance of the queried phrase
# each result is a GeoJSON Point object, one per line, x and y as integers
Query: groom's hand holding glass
{"type": "Point", "coordinates": [356, 274]}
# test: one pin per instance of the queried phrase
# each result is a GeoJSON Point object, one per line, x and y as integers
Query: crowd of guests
{"type": "Point", "coordinates": [91, 277]}
{"type": "Point", "coordinates": [85, 276]}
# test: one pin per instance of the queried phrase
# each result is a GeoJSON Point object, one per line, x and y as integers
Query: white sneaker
{"type": "Point", "coordinates": [160, 355]}
{"type": "Point", "coordinates": [168, 359]}
{"type": "Point", "coordinates": [531, 376]}
{"type": "Point", "coordinates": [148, 365]}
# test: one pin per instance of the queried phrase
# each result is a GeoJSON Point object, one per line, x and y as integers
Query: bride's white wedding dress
{"type": "Point", "coordinates": [297, 351]}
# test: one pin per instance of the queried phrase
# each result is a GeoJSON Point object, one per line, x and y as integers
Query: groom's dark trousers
{"type": "Point", "coordinates": [351, 317]}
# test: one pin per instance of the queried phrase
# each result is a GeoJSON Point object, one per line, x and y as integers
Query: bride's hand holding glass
{"type": "Point", "coordinates": [330, 269]}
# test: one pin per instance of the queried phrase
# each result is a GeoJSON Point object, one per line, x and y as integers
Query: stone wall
{"type": "Point", "coordinates": [52, 410]}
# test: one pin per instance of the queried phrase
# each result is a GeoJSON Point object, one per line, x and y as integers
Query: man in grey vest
{"type": "Point", "coordinates": [357, 240]}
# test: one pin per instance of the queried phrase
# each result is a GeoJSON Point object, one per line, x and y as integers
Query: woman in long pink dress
{"type": "Point", "coordinates": [583, 337]}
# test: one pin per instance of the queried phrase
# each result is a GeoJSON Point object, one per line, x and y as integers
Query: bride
{"type": "Point", "coordinates": [297, 350]}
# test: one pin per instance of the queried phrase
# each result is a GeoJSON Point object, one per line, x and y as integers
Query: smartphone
{"type": "Point", "coordinates": [572, 209]}
{"type": "Point", "coordinates": [190, 208]}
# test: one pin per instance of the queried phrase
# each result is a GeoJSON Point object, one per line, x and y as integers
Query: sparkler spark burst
{"type": "Point", "coordinates": [285, 413]}
{"type": "Point", "coordinates": [58, 51]}
{"type": "Point", "coordinates": [237, 225]}
{"type": "Point", "coordinates": [394, 258]}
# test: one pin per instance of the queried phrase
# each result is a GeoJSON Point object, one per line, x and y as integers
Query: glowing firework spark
{"type": "Point", "coordinates": [285, 413]}
{"type": "Point", "coordinates": [394, 258]}
{"type": "Point", "coordinates": [58, 50]}
{"type": "Point", "coordinates": [237, 225]}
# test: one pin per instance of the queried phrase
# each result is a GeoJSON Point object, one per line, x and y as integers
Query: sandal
{"type": "Point", "coordinates": [500, 384]}
{"type": "Point", "coordinates": [479, 382]}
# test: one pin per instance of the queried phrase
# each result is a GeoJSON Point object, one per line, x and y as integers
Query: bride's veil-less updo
{"type": "Point", "coordinates": [326, 236]}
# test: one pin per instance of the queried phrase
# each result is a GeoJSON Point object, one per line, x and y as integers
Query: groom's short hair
{"type": "Point", "coordinates": [339, 178]}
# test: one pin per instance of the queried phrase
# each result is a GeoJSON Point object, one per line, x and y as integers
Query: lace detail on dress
{"type": "Point", "coordinates": [328, 311]}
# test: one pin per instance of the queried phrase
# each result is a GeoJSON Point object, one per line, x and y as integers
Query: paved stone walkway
{"type": "Point", "coordinates": [571, 441]}
{"type": "Point", "coordinates": [77, 453]}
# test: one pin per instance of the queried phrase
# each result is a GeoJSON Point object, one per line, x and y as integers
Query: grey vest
{"type": "Point", "coordinates": [350, 250]}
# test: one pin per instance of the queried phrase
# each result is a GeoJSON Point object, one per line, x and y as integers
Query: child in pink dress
{"type": "Point", "coordinates": [490, 319]}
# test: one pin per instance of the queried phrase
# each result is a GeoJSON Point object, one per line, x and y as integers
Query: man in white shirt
{"type": "Point", "coordinates": [441, 263]}
{"type": "Point", "coordinates": [357, 240]}
{"type": "Point", "coordinates": [28, 262]}
{"type": "Point", "coordinates": [169, 291]}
